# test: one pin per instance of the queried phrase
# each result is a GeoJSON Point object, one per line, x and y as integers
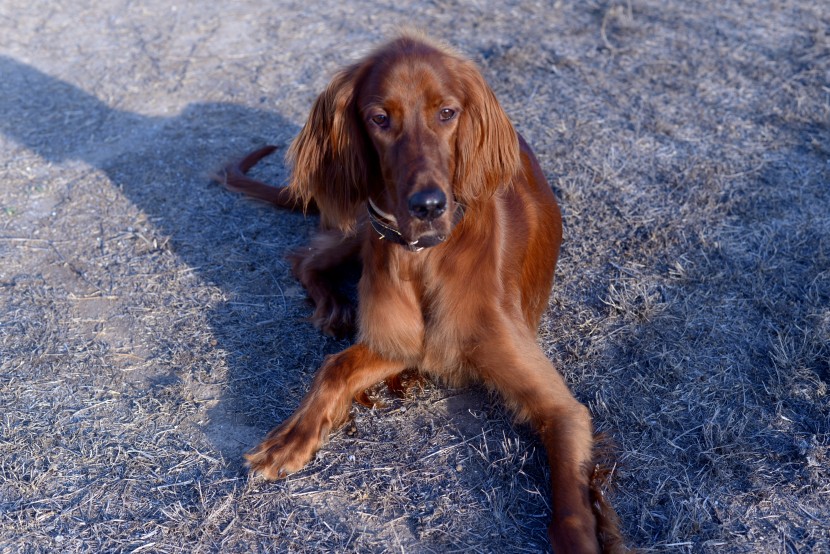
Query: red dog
{"type": "Point", "coordinates": [418, 174]}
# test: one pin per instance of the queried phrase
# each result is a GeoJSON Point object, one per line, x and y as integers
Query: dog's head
{"type": "Point", "coordinates": [414, 129]}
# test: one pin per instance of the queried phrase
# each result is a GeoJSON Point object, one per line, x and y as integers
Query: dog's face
{"type": "Point", "coordinates": [413, 128]}
{"type": "Point", "coordinates": [410, 109]}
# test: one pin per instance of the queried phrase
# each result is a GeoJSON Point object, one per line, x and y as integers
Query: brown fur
{"type": "Point", "coordinates": [410, 117]}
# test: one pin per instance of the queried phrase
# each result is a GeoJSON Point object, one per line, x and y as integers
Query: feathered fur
{"type": "Point", "coordinates": [415, 120]}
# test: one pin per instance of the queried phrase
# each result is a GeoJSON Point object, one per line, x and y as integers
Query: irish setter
{"type": "Point", "coordinates": [418, 174]}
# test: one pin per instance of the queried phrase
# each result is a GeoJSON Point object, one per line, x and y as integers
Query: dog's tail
{"type": "Point", "coordinates": [234, 178]}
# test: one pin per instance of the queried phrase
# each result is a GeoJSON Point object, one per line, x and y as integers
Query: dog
{"type": "Point", "coordinates": [419, 176]}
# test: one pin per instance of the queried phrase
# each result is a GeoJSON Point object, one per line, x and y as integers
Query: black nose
{"type": "Point", "coordinates": [428, 204]}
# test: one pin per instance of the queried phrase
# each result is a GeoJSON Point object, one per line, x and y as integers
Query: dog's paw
{"type": "Point", "coordinates": [335, 318]}
{"type": "Point", "coordinates": [286, 450]}
{"type": "Point", "coordinates": [574, 534]}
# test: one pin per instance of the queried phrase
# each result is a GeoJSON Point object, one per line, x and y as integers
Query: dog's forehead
{"type": "Point", "coordinates": [392, 79]}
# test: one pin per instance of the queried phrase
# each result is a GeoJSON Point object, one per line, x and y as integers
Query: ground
{"type": "Point", "coordinates": [151, 332]}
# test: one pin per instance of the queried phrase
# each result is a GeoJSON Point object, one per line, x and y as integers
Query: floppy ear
{"type": "Point", "coordinates": [328, 156]}
{"type": "Point", "coordinates": [487, 146]}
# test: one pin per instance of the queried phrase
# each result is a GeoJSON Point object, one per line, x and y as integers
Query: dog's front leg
{"type": "Point", "coordinates": [511, 362]}
{"type": "Point", "coordinates": [288, 447]}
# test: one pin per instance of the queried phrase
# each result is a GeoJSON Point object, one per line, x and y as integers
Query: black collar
{"type": "Point", "coordinates": [384, 224]}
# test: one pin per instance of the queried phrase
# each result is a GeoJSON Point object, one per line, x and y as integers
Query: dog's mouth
{"type": "Point", "coordinates": [428, 240]}
{"type": "Point", "coordinates": [426, 235]}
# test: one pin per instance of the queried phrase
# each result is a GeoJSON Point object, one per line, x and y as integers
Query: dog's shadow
{"type": "Point", "coordinates": [163, 166]}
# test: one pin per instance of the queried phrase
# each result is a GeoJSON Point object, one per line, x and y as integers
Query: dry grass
{"type": "Point", "coordinates": [150, 332]}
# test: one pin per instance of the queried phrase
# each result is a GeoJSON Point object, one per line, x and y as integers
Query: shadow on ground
{"type": "Point", "coordinates": [163, 165]}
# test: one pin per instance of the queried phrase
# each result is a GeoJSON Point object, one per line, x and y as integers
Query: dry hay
{"type": "Point", "coordinates": [150, 331]}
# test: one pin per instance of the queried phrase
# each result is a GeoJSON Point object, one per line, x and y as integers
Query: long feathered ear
{"type": "Point", "coordinates": [328, 157]}
{"type": "Point", "coordinates": [487, 146]}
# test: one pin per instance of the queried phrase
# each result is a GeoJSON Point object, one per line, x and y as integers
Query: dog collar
{"type": "Point", "coordinates": [385, 225]}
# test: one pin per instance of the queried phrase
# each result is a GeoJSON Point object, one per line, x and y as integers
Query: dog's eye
{"type": "Point", "coordinates": [446, 114]}
{"type": "Point", "coordinates": [381, 120]}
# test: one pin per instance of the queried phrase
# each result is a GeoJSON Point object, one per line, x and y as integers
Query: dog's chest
{"type": "Point", "coordinates": [424, 316]}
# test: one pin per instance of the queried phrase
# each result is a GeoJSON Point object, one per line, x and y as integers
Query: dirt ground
{"type": "Point", "coordinates": [151, 333]}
